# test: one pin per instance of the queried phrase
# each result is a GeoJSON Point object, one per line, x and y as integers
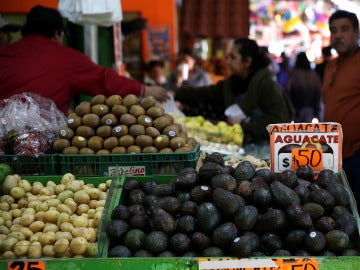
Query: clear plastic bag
{"type": "Point", "coordinates": [29, 124]}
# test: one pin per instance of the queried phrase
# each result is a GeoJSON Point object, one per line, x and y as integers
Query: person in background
{"type": "Point", "coordinates": [326, 56]}
{"type": "Point", "coordinates": [154, 73]}
{"type": "Point", "coordinates": [40, 64]}
{"type": "Point", "coordinates": [303, 87]}
{"type": "Point", "coordinates": [341, 91]}
{"type": "Point", "coordinates": [284, 70]}
{"type": "Point", "coordinates": [6, 29]}
{"type": "Point", "coordinates": [250, 88]}
{"type": "Point", "coordinates": [188, 72]}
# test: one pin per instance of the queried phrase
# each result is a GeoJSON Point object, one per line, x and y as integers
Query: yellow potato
{"type": "Point", "coordinates": [66, 227]}
{"type": "Point", "coordinates": [7, 198]}
{"type": "Point", "coordinates": [51, 184]}
{"type": "Point", "coordinates": [27, 218]}
{"type": "Point", "coordinates": [37, 226]}
{"type": "Point", "coordinates": [71, 204]}
{"type": "Point", "coordinates": [63, 208]}
{"type": "Point", "coordinates": [8, 255]}
{"type": "Point", "coordinates": [66, 178]}
{"type": "Point", "coordinates": [34, 203]}
{"type": "Point", "coordinates": [65, 235]}
{"type": "Point", "coordinates": [82, 208]}
{"type": "Point", "coordinates": [21, 248]}
{"type": "Point", "coordinates": [51, 216]}
{"type": "Point", "coordinates": [78, 245]}
{"type": "Point", "coordinates": [59, 188]}
{"type": "Point", "coordinates": [17, 192]}
{"type": "Point", "coordinates": [94, 193]}
{"type": "Point", "coordinates": [92, 250]}
{"type": "Point", "coordinates": [35, 236]}
{"type": "Point", "coordinates": [74, 185]}
{"type": "Point", "coordinates": [4, 230]}
{"type": "Point", "coordinates": [17, 234]}
{"type": "Point", "coordinates": [16, 213]}
{"type": "Point", "coordinates": [47, 191]}
{"type": "Point", "coordinates": [63, 217]}
{"type": "Point", "coordinates": [43, 206]}
{"type": "Point", "coordinates": [4, 206]}
{"type": "Point", "coordinates": [23, 203]}
{"type": "Point", "coordinates": [27, 232]}
{"type": "Point", "coordinates": [9, 243]}
{"type": "Point", "coordinates": [37, 187]}
{"type": "Point", "coordinates": [53, 202]}
{"type": "Point", "coordinates": [47, 238]}
{"type": "Point", "coordinates": [81, 197]}
{"type": "Point", "coordinates": [25, 185]}
{"type": "Point", "coordinates": [61, 245]}
{"type": "Point", "coordinates": [65, 195]}
{"type": "Point", "coordinates": [35, 250]}
{"type": "Point", "coordinates": [80, 221]}
{"type": "Point", "coordinates": [50, 227]}
{"type": "Point", "coordinates": [48, 251]}
{"type": "Point", "coordinates": [40, 216]}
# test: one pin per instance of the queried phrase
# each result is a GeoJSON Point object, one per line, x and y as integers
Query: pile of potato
{"type": "Point", "coordinates": [50, 220]}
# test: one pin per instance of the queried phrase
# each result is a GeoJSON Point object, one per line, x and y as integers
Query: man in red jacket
{"type": "Point", "coordinates": [40, 64]}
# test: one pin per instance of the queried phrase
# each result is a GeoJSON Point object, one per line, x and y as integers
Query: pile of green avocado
{"type": "Point", "coordinates": [243, 212]}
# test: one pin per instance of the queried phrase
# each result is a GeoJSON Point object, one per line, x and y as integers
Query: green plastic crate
{"type": "Point", "coordinates": [129, 164]}
{"type": "Point", "coordinates": [32, 165]}
{"type": "Point", "coordinates": [114, 198]}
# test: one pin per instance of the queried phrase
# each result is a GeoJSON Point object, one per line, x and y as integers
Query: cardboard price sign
{"type": "Point", "coordinates": [318, 145]}
{"type": "Point", "coordinates": [26, 265]}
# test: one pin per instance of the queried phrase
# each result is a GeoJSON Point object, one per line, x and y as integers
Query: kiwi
{"type": "Point", "coordinates": [109, 119]}
{"type": "Point", "coordinates": [191, 141]}
{"type": "Point", "coordinates": [71, 150]}
{"type": "Point", "coordinates": [100, 109]}
{"type": "Point", "coordinates": [126, 140]}
{"type": "Point", "coordinates": [98, 99]}
{"type": "Point", "coordinates": [185, 148]}
{"type": "Point", "coordinates": [133, 149]}
{"type": "Point", "coordinates": [129, 100]}
{"type": "Point", "coordinates": [118, 150]}
{"type": "Point", "coordinates": [83, 108]}
{"type": "Point", "coordinates": [103, 152]}
{"type": "Point", "coordinates": [155, 111]}
{"type": "Point", "coordinates": [166, 150]}
{"type": "Point", "coordinates": [96, 143]}
{"type": "Point", "coordinates": [127, 119]}
{"type": "Point", "coordinates": [90, 120]}
{"type": "Point", "coordinates": [119, 109]}
{"type": "Point", "coordinates": [171, 130]}
{"type": "Point", "coordinates": [171, 118]}
{"type": "Point", "coordinates": [149, 149]}
{"type": "Point", "coordinates": [103, 131]}
{"type": "Point", "coordinates": [176, 143]}
{"type": "Point", "coordinates": [66, 133]}
{"type": "Point", "coordinates": [144, 120]}
{"type": "Point", "coordinates": [148, 102]}
{"type": "Point", "coordinates": [79, 141]}
{"type": "Point", "coordinates": [136, 110]}
{"type": "Point", "coordinates": [113, 100]}
{"type": "Point", "coordinates": [85, 131]}
{"type": "Point", "coordinates": [111, 142]}
{"type": "Point", "coordinates": [73, 121]}
{"type": "Point", "coordinates": [183, 134]}
{"type": "Point", "coordinates": [180, 126]}
{"type": "Point", "coordinates": [120, 130]}
{"type": "Point", "coordinates": [59, 145]}
{"type": "Point", "coordinates": [161, 141]}
{"type": "Point", "coordinates": [86, 151]}
{"type": "Point", "coordinates": [161, 122]}
{"type": "Point", "coordinates": [136, 130]}
{"type": "Point", "coordinates": [144, 140]}
{"type": "Point", "coordinates": [151, 131]}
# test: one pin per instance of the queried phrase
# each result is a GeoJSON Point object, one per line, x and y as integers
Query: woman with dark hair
{"type": "Point", "coordinates": [304, 90]}
{"type": "Point", "coordinates": [250, 88]}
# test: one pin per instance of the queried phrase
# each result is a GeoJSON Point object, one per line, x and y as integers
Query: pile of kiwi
{"type": "Point", "coordinates": [121, 125]}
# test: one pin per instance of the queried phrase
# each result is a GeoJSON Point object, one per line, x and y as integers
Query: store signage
{"type": "Point", "coordinates": [26, 265]}
{"type": "Point", "coordinates": [128, 170]}
{"type": "Point", "coordinates": [318, 145]}
{"type": "Point", "coordinates": [258, 264]}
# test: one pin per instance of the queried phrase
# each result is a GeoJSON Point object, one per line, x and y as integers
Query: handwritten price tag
{"type": "Point", "coordinates": [26, 265]}
{"type": "Point", "coordinates": [313, 157]}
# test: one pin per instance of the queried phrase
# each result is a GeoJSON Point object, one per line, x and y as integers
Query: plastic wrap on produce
{"type": "Point", "coordinates": [29, 124]}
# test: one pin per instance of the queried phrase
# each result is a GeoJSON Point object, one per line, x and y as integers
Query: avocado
{"type": "Point", "coordinates": [337, 241]}
{"type": "Point", "coordinates": [245, 189]}
{"type": "Point", "coordinates": [245, 170]}
{"type": "Point", "coordinates": [150, 200]}
{"type": "Point", "coordinates": [163, 190]}
{"type": "Point", "coordinates": [120, 212]}
{"type": "Point", "coordinates": [169, 203]}
{"type": "Point", "coordinates": [314, 209]}
{"type": "Point", "coordinates": [162, 220]}
{"type": "Point", "coordinates": [139, 221]}
{"type": "Point", "coordinates": [116, 228]}
{"type": "Point", "coordinates": [325, 224]}
{"type": "Point", "coordinates": [283, 196]}
{"type": "Point", "coordinates": [136, 196]}
{"type": "Point", "coordinates": [245, 218]}
{"type": "Point", "coordinates": [272, 220]}
{"type": "Point", "coordinates": [262, 198]}
{"type": "Point", "coordinates": [288, 177]}
{"type": "Point", "coordinates": [346, 222]}
{"type": "Point", "coordinates": [224, 234]}
{"type": "Point", "coordinates": [258, 182]}
{"type": "Point", "coordinates": [339, 210]}
{"type": "Point", "coordinates": [226, 201]}
{"type": "Point", "coordinates": [306, 173]}
{"type": "Point", "coordinates": [296, 214]}
{"type": "Point", "coordinates": [245, 244]}
{"type": "Point", "coordinates": [156, 242]}
{"type": "Point", "coordinates": [179, 243]}
{"type": "Point", "coordinates": [188, 208]}
{"type": "Point", "coordinates": [119, 251]}
{"type": "Point", "coordinates": [167, 253]}
{"type": "Point", "coordinates": [186, 225]}
{"type": "Point", "coordinates": [134, 239]}
{"type": "Point", "coordinates": [281, 253]}
{"type": "Point", "coordinates": [294, 239]}
{"type": "Point", "coordinates": [215, 157]}
{"type": "Point", "coordinates": [137, 209]}
{"type": "Point", "coordinates": [324, 198]}
{"type": "Point", "coordinates": [187, 178]}
{"type": "Point", "coordinates": [200, 241]}
{"type": "Point", "coordinates": [208, 170]}
{"type": "Point", "coordinates": [212, 252]}
{"type": "Point", "coordinates": [340, 194]}
{"type": "Point", "coordinates": [350, 252]}
{"type": "Point", "coordinates": [270, 242]}
{"type": "Point", "coordinates": [149, 185]}
{"type": "Point", "coordinates": [225, 181]}
{"type": "Point", "coordinates": [327, 176]}
{"type": "Point", "coordinates": [207, 217]}
{"type": "Point", "coordinates": [303, 193]}
{"type": "Point", "coordinates": [266, 174]}
{"type": "Point", "coordinates": [314, 242]}
{"type": "Point", "coordinates": [200, 194]}
{"type": "Point", "coordinates": [142, 252]}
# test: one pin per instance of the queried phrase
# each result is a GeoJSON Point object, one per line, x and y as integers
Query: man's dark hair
{"type": "Point", "coordinates": [343, 14]}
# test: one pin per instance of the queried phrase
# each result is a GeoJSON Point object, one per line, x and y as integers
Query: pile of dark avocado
{"type": "Point", "coordinates": [239, 211]}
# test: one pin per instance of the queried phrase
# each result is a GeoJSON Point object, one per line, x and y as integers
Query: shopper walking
{"type": "Point", "coordinates": [341, 91]}
{"type": "Point", "coordinates": [40, 64]}
{"type": "Point", "coordinates": [303, 87]}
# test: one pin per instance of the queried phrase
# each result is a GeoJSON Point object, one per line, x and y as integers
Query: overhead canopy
{"type": "Point", "coordinates": [215, 19]}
